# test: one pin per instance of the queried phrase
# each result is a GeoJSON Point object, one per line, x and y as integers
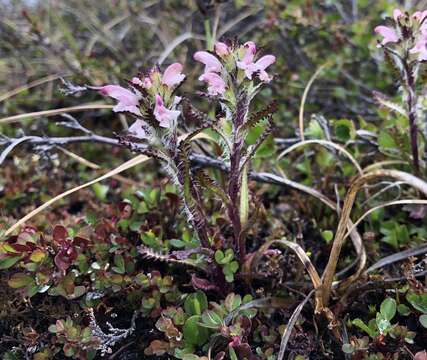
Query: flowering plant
{"type": "Point", "coordinates": [233, 75]}
{"type": "Point", "coordinates": [404, 41]}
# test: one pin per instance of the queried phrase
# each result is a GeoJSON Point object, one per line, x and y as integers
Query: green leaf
{"type": "Point", "coordinates": [348, 348]}
{"type": "Point", "coordinates": [344, 130]}
{"type": "Point", "coordinates": [314, 130]}
{"type": "Point", "coordinates": [196, 303]}
{"type": "Point", "coordinates": [403, 310]}
{"type": "Point", "coordinates": [388, 309]}
{"type": "Point", "coordinates": [419, 302]}
{"type": "Point", "coordinates": [211, 319]}
{"type": "Point", "coordinates": [386, 141]}
{"type": "Point", "coordinates": [219, 256]}
{"type": "Point", "coordinates": [382, 324]}
{"type": "Point", "coordinates": [232, 353]}
{"type": "Point", "coordinates": [423, 320]}
{"type": "Point", "coordinates": [177, 243]}
{"type": "Point", "coordinates": [361, 325]}
{"type": "Point", "coordinates": [119, 261]}
{"type": "Point", "coordinates": [228, 256]}
{"type": "Point", "coordinates": [232, 302]}
{"type": "Point", "coordinates": [8, 262]}
{"type": "Point", "coordinates": [327, 235]}
{"type": "Point", "coordinates": [254, 133]}
{"type": "Point", "coordinates": [52, 329]}
{"type": "Point", "coordinates": [100, 191]}
{"type": "Point", "coordinates": [195, 334]}
{"type": "Point", "coordinates": [229, 278]}
{"type": "Point", "coordinates": [20, 280]}
{"type": "Point", "coordinates": [267, 148]}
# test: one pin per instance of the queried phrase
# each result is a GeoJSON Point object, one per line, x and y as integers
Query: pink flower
{"type": "Point", "coordinates": [235, 341]}
{"type": "Point", "coordinates": [172, 75]}
{"type": "Point", "coordinates": [262, 64]}
{"type": "Point", "coordinates": [397, 13]}
{"type": "Point", "coordinates": [250, 50]}
{"type": "Point", "coordinates": [419, 15]}
{"type": "Point", "coordinates": [127, 100]}
{"type": "Point", "coordinates": [211, 63]}
{"type": "Point", "coordinates": [420, 48]}
{"type": "Point", "coordinates": [389, 34]}
{"type": "Point", "coordinates": [247, 63]}
{"type": "Point", "coordinates": [216, 85]}
{"type": "Point", "coordinates": [137, 129]}
{"type": "Point", "coordinates": [164, 116]}
{"type": "Point", "coordinates": [136, 81]}
{"type": "Point", "coordinates": [146, 83]}
{"type": "Point", "coordinates": [259, 66]}
{"type": "Point", "coordinates": [221, 49]}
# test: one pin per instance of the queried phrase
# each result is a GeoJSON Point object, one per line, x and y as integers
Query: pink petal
{"type": "Point", "coordinates": [164, 116]}
{"type": "Point", "coordinates": [172, 75]}
{"type": "Point", "coordinates": [421, 49]}
{"type": "Point", "coordinates": [210, 61]}
{"type": "Point", "coordinates": [216, 85]}
{"type": "Point", "coordinates": [419, 15]}
{"type": "Point", "coordinates": [136, 81]}
{"type": "Point", "coordinates": [250, 52]}
{"type": "Point", "coordinates": [249, 68]}
{"type": "Point", "coordinates": [221, 49]}
{"type": "Point", "coordinates": [119, 93]}
{"type": "Point", "coordinates": [263, 76]}
{"type": "Point", "coordinates": [397, 13]}
{"type": "Point", "coordinates": [120, 107]}
{"type": "Point", "coordinates": [388, 33]}
{"type": "Point", "coordinates": [137, 129]}
{"type": "Point", "coordinates": [265, 62]}
{"type": "Point", "coordinates": [147, 83]}
{"type": "Point", "coordinates": [127, 100]}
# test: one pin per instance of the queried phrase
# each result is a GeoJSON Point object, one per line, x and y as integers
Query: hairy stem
{"type": "Point", "coordinates": [411, 101]}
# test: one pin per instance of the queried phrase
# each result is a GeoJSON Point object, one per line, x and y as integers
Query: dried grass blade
{"type": "Point", "coordinates": [304, 99]}
{"type": "Point", "coordinates": [325, 143]}
{"type": "Point", "coordinates": [397, 257]}
{"type": "Point", "coordinates": [325, 290]}
{"type": "Point", "coordinates": [32, 84]}
{"type": "Point", "coordinates": [94, 166]}
{"type": "Point", "coordinates": [292, 321]}
{"type": "Point", "coordinates": [16, 118]}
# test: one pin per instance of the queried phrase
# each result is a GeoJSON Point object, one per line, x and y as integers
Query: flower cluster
{"type": "Point", "coordinates": [153, 93]}
{"type": "Point", "coordinates": [158, 89]}
{"type": "Point", "coordinates": [411, 29]}
{"type": "Point", "coordinates": [240, 58]}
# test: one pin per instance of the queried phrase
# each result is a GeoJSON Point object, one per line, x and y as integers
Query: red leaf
{"type": "Point", "coordinates": [80, 241]}
{"type": "Point", "coordinates": [60, 233]}
{"type": "Point", "coordinates": [202, 284]}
